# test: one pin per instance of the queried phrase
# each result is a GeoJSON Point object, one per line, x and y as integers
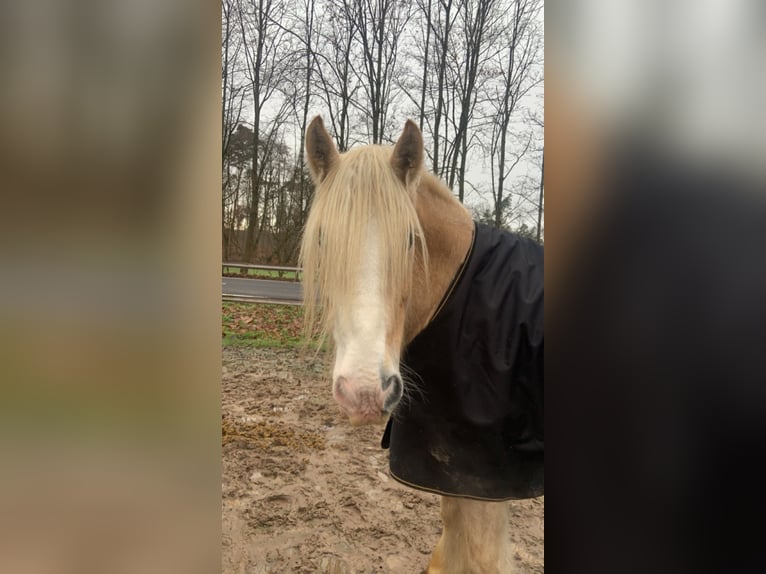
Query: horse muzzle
{"type": "Point", "coordinates": [367, 402]}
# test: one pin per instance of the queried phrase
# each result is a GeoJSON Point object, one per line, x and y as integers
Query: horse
{"type": "Point", "coordinates": [390, 258]}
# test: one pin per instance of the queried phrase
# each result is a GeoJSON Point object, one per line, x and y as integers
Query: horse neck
{"type": "Point", "coordinates": [448, 230]}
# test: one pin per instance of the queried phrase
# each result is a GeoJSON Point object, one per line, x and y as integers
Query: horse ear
{"type": "Point", "coordinates": [320, 150]}
{"type": "Point", "coordinates": [407, 159]}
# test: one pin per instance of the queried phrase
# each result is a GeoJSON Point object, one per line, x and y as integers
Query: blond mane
{"type": "Point", "coordinates": [361, 190]}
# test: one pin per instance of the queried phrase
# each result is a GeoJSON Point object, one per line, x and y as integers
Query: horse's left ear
{"type": "Point", "coordinates": [407, 159]}
{"type": "Point", "coordinates": [320, 151]}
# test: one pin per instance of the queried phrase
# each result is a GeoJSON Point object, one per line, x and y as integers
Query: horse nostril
{"type": "Point", "coordinates": [387, 383]}
{"type": "Point", "coordinates": [340, 384]}
{"type": "Point", "coordinates": [394, 382]}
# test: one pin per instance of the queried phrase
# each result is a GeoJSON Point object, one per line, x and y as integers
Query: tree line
{"type": "Point", "coordinates": [468, 71]}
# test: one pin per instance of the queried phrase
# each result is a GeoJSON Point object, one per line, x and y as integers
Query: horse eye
{"type": "Point", "coordinates": [411, 240]}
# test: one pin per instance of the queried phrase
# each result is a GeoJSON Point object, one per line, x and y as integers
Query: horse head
{"type": "Point", "coordinates": [361, 243]}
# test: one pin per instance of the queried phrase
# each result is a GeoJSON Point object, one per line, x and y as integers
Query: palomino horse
{"type": "Point", "coordinates": [397, 272]}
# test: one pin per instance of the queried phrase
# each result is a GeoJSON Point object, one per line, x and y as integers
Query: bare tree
{"type": "Point", "coordinates": [231, 86]}
{"type": "Point", "coordinates": [293, 195]}
{"type": "Point", "coordinates": [442, 24]}
{"type": "Point", "coordinates": [463, 68]}
{"type": "Point", "coordinates": [453, 69]}
{"type": "Point", "coordinates": [267, 64]}
{"type": "Point", "coordinates": [300, 181]}
{"type": "Point", "coordinates": [518, 73]}
{"type": "Point", "coordinates": [540, 200]}
{"type": "Point", "coordinates": [379, 25]}
{"type": "Point", "coordinates": [426, 11]}
{"type": "Point", "coordinates": [478, 36]}
{"type": "Point", "coordinates": [536, 119]}
{"type": "Point", "coordinates": [335, 78]}
{"type": "Point", "coordinates": [236, 178]}
{"type": "Point", "coordinates": [285, 203]}
{"type": "Point", "coordinates": [232, 92]}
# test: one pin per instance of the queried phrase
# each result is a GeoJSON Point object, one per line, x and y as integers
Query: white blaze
{"type": "Point", "coordinates": [360, 331]}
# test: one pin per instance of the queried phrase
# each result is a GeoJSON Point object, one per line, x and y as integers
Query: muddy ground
{"type": "Point", "coordinates": [303, 492]}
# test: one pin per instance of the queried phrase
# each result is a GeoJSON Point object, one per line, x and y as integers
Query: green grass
{"type": "Point", "coordinates": [262, 273]}
{"type": "Point", "coordinates": [260, 343]}
{"type": "Point", "coordinates": [261, 325]}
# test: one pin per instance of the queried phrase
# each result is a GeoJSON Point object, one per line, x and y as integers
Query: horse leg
{"type": "Point", "coordinates": [474, 540]}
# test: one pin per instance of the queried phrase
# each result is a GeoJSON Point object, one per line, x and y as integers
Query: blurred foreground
{"type": "Point", "coordinates": [656, 222]}
{"type": "Point", "coordinates": [110, 289]}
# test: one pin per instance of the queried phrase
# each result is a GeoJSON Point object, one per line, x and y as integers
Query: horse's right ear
{"type": "Point", "coordinates": [320, 150]}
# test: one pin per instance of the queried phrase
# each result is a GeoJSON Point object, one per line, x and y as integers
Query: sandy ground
{"type": "Point", "coordinates": [303, 492]}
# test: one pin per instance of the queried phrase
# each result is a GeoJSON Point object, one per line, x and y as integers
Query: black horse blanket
{"type": "Point", "coordinates": [473, 424]}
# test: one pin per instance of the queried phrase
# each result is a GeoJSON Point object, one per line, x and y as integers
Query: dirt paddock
{"type": "Point", "coordinates": [303, 492]}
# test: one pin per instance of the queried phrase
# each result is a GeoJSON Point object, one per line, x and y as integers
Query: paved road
{"type": "Point", "coordinates": [263, 290]}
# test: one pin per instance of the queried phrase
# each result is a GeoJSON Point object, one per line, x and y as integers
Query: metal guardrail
{"type": "Point", "coordinates": [247, 299]}
{"type": "Point", "coordinates": [281, 270]}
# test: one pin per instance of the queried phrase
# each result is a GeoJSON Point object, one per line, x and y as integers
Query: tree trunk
{"type": "Point", "coordinates": [442, 60]}
{"type": "Point", "coordinates": [425, 67]}
{"type": "Point", "coordinates": [540, 203]}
